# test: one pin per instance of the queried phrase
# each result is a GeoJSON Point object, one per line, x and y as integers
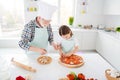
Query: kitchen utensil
{"type": "Point", "coordinates": [108, 75]}
{"type": "Point", "coordinates": [26, 67]}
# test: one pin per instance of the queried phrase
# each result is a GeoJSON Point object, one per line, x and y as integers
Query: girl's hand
{"type": "Point", "coordinates": [59, 46]}
{"type": "Point", "coordinates": [76, 49]}
{"type": "Point", "coordinates": [61, 54]}
{"type": "Point", "coordinates": [68, 54]}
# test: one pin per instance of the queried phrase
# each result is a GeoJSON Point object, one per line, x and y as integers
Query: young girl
{"type": "Point", "coordinates": [68, 45]}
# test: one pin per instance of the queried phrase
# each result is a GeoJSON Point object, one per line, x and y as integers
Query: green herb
{"type": "Point", "coordinates": [118, 29]}
{"type": "Point", "coordinates": [79, 25]}
{"type": "Point", "coordinates": [74, 75]}
{"type": "Point", "coordinates": [71, 20]}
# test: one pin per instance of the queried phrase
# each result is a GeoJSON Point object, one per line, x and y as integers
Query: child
{"type": "Point", "coordinates": [68, 45]}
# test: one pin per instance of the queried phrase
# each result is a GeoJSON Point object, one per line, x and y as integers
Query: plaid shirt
{"type": "Point", "coordinates": [29, 33]}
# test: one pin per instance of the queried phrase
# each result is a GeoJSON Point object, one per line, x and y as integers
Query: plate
{"type": "Point", "coordinates": [44, 60]}
{"type": "Point", "coordinates": [73, 61]}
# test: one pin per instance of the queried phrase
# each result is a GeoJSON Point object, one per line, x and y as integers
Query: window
{"type": "Point", "coordinates": [11, 16]}
{"type": "Point", "coordinates": [65, 10]}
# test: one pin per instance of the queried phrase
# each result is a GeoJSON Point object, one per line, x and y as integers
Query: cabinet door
{"type": "Point", "coordinates": [78, 36]}
{"type": "Point", "coordinates": [86, 39]}
{"type": "Point", "coordinates": [109, 48]}
{"type": "Point", "coordinates": [99, 43]}
{"type": "Point", "coordinates": [89, 40]}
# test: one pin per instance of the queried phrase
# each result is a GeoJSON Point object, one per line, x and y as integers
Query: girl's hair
{"type": "Point", "coordinates": [64, 29]}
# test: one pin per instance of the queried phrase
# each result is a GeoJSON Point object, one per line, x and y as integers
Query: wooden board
{"type": "Point", "coordinates": [44, 60]}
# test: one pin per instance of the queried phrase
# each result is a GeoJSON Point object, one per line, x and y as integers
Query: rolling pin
{"type": "Point", "coordinates": [26, 67]}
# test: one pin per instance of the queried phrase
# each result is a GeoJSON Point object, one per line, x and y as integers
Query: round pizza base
{"type": "Point", "coordinates": [72, 65]}
{"type": "Point", "coordinates": [48, 58]}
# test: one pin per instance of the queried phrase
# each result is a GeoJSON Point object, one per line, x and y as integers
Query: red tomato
{"type": "Point", "coordinates": [81, 76]}
{"type": "Point", "coordinates": [70, 76]}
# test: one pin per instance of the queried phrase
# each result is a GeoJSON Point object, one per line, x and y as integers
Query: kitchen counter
{"type": "Point", "coordinates": [114, 35]}
{"type": "Point", "coordinates": [108, 46]}
{"type": "Point", "coordinates": [94, 65]}
{"type": "Point", "coordinates": [75, 29]}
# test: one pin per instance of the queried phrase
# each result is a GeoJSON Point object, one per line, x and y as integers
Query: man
{"type": "Point", "coordinates": [38, 32]}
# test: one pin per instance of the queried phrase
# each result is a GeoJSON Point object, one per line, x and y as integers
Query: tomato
{"type": "Point", "coordinates": [70, 76]}
{"type": "Point", "coordinates": [81, 76]}
{"type": "Point", "coordinates": [73, 59]}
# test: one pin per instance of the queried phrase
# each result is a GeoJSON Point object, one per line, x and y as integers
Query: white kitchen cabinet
{"type": "Point", "coordinates": [109, 47]}
{"type": "Point", "coordinates": [89, 40]}
{"type": "Point", "coordinates": [78, 36]}
{"type": "Point", "coordinates": [86, 39]}
{"type": "Point", "coordinates": [112, 7]}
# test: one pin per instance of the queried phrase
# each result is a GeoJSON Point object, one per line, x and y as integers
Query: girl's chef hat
{"type": "Point", "coordinates": [46, 10]}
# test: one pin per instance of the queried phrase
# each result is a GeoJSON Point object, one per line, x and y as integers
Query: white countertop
{"type": "Point", "coordinates": [94, 65]}
{"type": "Point", "coordinates": [114, 35]}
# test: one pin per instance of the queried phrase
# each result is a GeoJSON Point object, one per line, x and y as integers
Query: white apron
{"type": "Point", "coordinates": [67, 45]}
{"type": "Point", "coordinates": [40, 39]}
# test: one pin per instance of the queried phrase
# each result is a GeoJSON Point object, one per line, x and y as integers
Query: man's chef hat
{"type": "Point", "coordinates": [46, 10]}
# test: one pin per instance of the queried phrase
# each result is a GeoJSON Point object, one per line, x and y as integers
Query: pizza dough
{"type": "Point", "coordinates": [44, 59]}
{"type": "Point", "coordinates": [72, 61]}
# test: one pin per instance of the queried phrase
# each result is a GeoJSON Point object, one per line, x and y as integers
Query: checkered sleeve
{"type": "Point", "coordinates": [50, 33]}
{"type": "Point", "coordinates": [27, 36]}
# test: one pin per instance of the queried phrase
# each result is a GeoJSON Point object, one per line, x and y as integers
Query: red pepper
{"type": "Point", "coordinates": [20, 78]}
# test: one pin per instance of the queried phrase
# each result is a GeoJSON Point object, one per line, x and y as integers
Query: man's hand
{"type": "Point", "coordinates": [36, 49]}
{"type": "Point", "coordinates": [55, 45]}
{"type": "Point", "coordinates": [42, 51]}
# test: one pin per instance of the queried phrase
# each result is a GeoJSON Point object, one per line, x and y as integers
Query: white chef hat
{"type": "Point", "coordinates": [46, 10]}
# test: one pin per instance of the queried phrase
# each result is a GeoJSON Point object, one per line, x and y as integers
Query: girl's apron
{"type": "Point", "coordinates": [40, 39]}
{"type": "Point", "coordinates": [67, 45]}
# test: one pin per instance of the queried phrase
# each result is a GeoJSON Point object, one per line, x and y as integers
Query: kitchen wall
{"type": "Point", "coordinates": [97, 12]}
{"type": "Point", "coordinates": [112, 20]}
{"type": "Point", "coordinates": [30, 9]}
{"type": "Point", "coordinates": [111, 11]}
{"type": "Point", "coordinates": [94, 13]}
{"type": "Point", "coordinates": [104, 12]}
